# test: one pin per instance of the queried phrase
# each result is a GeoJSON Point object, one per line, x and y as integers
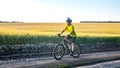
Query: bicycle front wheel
{"type": "Point", "coordinates": [77, 51]}
{"type": "Point", "coordinates": [58, 51]}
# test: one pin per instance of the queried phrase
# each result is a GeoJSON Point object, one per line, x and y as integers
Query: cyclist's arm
{"type": "Point", "coordinates": [63, 30]}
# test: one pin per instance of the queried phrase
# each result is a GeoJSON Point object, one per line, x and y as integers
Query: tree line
{"type": "Point", "coordinates": [99, 21]}
{"type": "Point", "coordinates": [11, 22]}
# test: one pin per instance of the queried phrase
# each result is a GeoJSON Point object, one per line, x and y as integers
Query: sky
{"type": "Point", "coordinates": [59, 10]}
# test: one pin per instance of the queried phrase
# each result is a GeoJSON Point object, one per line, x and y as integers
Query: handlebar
{"type": "Point", "coordinates": [60, 36]}
{"type": "Point", "coordinates": [68, 40]}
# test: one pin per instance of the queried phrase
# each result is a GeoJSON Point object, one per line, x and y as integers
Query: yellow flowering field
{"type": "Point", "coordinates": [51, 29]}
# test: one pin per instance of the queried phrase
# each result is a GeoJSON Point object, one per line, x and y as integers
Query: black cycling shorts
{"type": "Point", "coordinates": [73, 39]}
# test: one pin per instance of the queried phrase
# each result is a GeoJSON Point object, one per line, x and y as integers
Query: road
{"type": "Point", "coordinates": [109, 64]}
{"type": "Point", "coordinates": [50, 62]}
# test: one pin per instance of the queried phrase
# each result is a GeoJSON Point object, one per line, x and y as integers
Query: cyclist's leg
{"type": "Point", "coordinates": [73, 43]}
{"type": "Point", "coordinates": [68, 37]}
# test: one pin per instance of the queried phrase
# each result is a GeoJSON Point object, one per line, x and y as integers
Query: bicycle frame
{"type": "Point", "coordinates": [66, 43]}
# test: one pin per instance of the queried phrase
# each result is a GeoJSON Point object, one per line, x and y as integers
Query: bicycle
{"type": "Point", "coordinates": [63, 46]}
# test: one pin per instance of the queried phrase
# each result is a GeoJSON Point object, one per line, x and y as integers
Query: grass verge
{"type": "Point", "coordinates": [31, 39]}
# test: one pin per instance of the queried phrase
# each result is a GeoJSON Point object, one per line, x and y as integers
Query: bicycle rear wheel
{"type": "Point", "coordinates": [77, 51]}
{"type": "Point", "coordinates": [58, 51]}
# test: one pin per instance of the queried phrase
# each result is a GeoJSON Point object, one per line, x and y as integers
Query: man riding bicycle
{"type": "Point", "coordinates": [72, 34]}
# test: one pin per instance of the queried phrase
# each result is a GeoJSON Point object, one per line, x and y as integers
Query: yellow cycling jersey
{"type": "Point", "coordinates": [71, 30]}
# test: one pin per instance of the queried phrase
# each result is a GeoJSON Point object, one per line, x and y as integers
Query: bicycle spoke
{"type": "Point", "coordinates": [76, 51]}
{"type": "Point", "coordinates": [58, 52]}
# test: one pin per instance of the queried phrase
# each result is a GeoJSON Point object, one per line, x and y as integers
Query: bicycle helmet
{"type": "Point", "coordinates": [68, 20]}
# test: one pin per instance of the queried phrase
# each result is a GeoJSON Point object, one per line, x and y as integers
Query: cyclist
{"type": "Point", "coordinates": [72, 34]}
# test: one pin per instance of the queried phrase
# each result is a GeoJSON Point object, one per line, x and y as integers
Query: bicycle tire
{"type": "Point", "coordinates": [78, 51]}
{"type": "Point", "coordinates": [59, 48]}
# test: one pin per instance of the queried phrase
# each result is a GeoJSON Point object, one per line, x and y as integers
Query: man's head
{"type": "Point", "coordinates": [69, 21]}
